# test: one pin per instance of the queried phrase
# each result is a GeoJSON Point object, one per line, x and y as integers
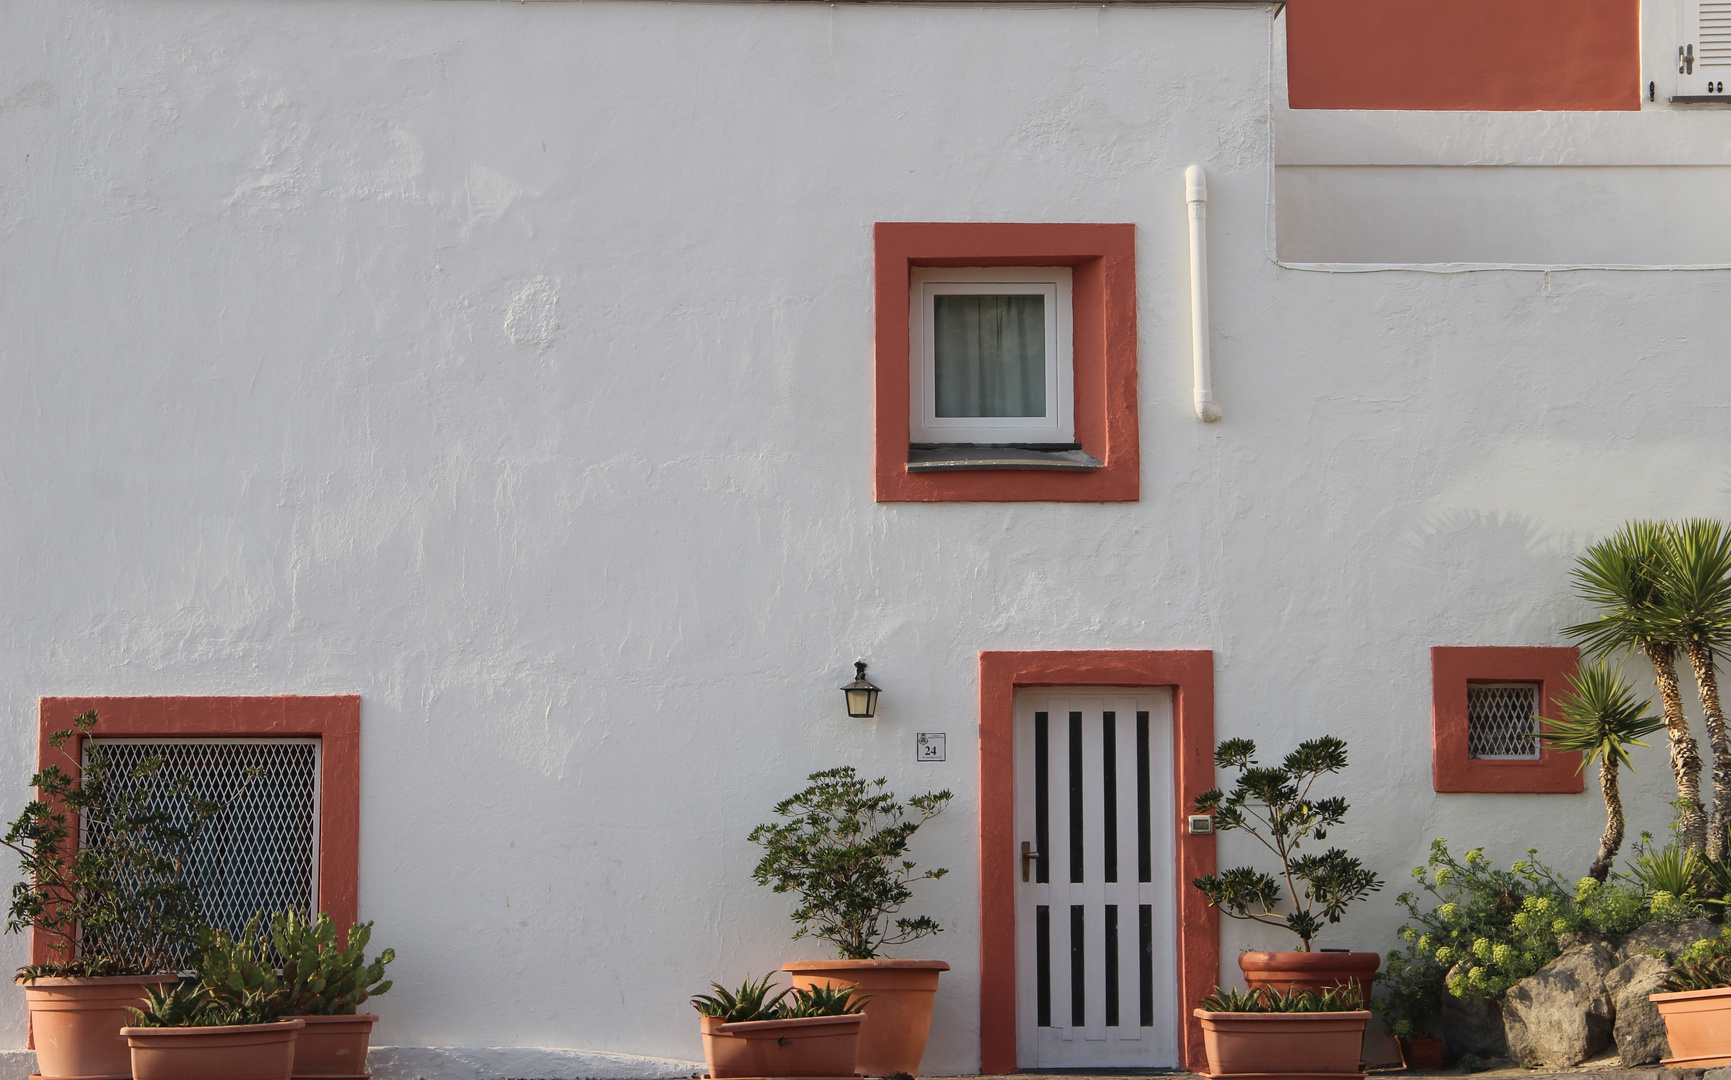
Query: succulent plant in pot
{"type": "Point", "coordinates": [104, 889]}
{"type": "Point", "coordinates": [1274, 804]}
{"type": "Point", "coordinates": [811, 1031]}
{"type": "Point", "coordinates": [842, 847]}
{"type": "Point", "coordinates": [1695, 1003]}
{"type": "Point", "coordinates": [227, 1023]}
{"type": "Point", "coordinates": [1269, 1032]}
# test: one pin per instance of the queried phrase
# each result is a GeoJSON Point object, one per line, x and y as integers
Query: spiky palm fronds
{"type": "Point", "coordinates": [1623, 576]}
{"type": "Point", "coordinates": [1694, 610]}
{"type": "Point", "coordinates": [1601, 719]}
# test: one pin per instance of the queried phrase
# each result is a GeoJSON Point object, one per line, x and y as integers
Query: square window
{"type": "Point", "coordinates": [1502, 721]}
{"type": "Point", "coordinates": [1485, 705]}
{"type": "Point", "coordinates": [1005, 362]}
{"type": "Point", "coordinates": [990, 351]}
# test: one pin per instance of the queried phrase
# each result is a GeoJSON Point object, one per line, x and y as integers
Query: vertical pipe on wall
{"type": "Point", "coordinates": [1196, 194]}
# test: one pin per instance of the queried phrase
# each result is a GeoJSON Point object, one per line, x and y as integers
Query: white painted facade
{"type": "Point", "coordinates": [510, 365]}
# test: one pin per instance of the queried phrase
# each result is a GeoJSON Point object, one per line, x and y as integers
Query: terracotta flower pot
{"type": "Point", "coordinates": [1310, 970]}
{"type": "Point", "coordinates": [1698, 1027]}
{"type": "Point", "coordinates": [812, 1046]}
{"type": "Point", "coordinates": [1421, 1052]}
{"type": "Point", "coordinates": [75, 1023]}
{"type": "Point", "coordinates": [897, 1018]}
{"type": "Point", "coordinates": [332, 1047]}
{"type": "Point", "coordinates": [234, 1052]}
{"type": "Point", "coordinates": [1283, 1046]}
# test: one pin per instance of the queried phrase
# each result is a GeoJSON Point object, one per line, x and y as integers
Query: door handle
{"type": "Point", "coordinates": [1029, 855]}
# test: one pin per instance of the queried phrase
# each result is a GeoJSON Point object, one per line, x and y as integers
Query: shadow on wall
{"type": "Point", "coordinates": [1499, 572]}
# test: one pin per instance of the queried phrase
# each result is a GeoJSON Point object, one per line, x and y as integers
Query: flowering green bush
{"type": "Point", "coordinates": [1476, 930]}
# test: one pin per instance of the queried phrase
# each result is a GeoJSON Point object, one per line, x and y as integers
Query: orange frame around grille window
{"type": "Point", "coordinates": [1453, 669]}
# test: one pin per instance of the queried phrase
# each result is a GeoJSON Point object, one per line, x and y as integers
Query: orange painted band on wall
{"type": "Point", "coordinates": [1190, 675]}
{"type": "Point", "coordinates": [1499, 55]}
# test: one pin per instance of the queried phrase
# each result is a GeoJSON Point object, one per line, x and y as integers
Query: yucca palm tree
{"type": "Point", "coordinates": [1602, 719]}
{"type": "Point", "coordinates": [1620, 575]}
{"type": "Point", "coordinates": [1694, 609]}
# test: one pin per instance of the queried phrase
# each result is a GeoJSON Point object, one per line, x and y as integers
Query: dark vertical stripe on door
{"type": "Point", "coordinates": [1111, 965]}
{"type": "Point", "coordinates": [1144, 807]}
{"type": "Point", "coordinates": [1078, 971]}
{"type": "Point", "coordinates": [1109, 766]}
{"type": "Point", "coordinates": [1076, 853]}
{"type": "Point", "coordinates": [1042, 798]}
{"type": "Point", "coordinates": [1145, 956]}
{"type": "Point", "coordinates": [1043, 965]}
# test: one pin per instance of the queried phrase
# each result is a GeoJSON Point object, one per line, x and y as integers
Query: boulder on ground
{"type": "Point", "coordinates": [1562, 1014]}
{"type": "Point", "coordinates": [1671, 938]}
{"type": "Point", "coordinates": [1473, 1025]}
{"type": "Point", "coordinates": [1639, 1030]}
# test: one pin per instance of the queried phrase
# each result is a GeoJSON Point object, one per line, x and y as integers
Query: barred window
{"type": "Point", "coordinates": [261, 852]}
{"type": "Point", "coordinates": [1502, 722]}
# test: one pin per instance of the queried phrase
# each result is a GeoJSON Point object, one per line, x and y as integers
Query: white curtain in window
{"type": "Point", "coordinates": [990, 355]}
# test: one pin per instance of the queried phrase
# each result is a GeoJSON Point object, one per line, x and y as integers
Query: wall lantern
{"type": "Point", "coordinates": [862, 696]}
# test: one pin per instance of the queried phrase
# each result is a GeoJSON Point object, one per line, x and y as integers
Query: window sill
{"type": "Point", "coordinates": [1702, 99]}
{"type": "Point", "coordinates": [927, 458]}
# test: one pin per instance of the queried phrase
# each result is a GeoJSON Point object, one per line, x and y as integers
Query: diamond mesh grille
{"type": "Point", "coordinates": [261, 852]}
{"type": "Point", "coordinates": [1501, 720]}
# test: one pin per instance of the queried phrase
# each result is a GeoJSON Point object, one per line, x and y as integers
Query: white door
{"type": "Point", "coordinates": [1704, 55]}
{"type": "Point", "coordinates": [1096, 937]}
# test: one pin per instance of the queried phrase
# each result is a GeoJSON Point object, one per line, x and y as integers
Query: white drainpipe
{"type": "Point", "coordinates": [1196, 193]}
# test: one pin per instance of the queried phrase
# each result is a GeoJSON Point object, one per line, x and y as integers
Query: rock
{"type": "Point", "coordinates": [1574, 939]}
{"type": "Point", "coordinates": [1561, 1015]}
{"type": "Point", "coordinates": [1473, 1026]}
{"type": "Point", "coordinates": [1717, 1074]}
{"type": "Point", "coordinates": [1639, 1031]}
{"type": "Point", "coordinates": [1666, 937]}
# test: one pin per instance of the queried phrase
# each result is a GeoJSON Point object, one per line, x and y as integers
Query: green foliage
{"type": "Point", "coordinates": [1343, 998]}
{"type": "Point", "coordinates": [1274, 805]}
{"type": "Point", "coordinates": [843, 850]}
{"type": "Point", "coordinates": [1601, 717]}
{"type": "Point", "coordinates": [114, 902]}
{"type": "Point", "coordinates": [1705, 965]}
{"type": "Point", "coordinates": [188, 1004]}
{"type": "Point", "coordinates": [1621, 576]}
{"type": "Point", "coordinates": [318, 977]}
{"type": "Point", "coordinates": [1475, 930]}
{"type": "Point", "coordinates": [236, 973]}
{"type": "Point", "coordinates": [1694, 580]}
{"type": "Point", "coordinates": [752, 1001]}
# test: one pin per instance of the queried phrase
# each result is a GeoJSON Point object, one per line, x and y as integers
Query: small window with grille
{"type": "Point", "coordinates": [261, 852]}
{"type": "Point", "coordinates": [1502, 721]}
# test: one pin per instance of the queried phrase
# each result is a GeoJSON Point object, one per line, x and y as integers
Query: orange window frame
{"type": "Point", "coordinates": [1453, 668]}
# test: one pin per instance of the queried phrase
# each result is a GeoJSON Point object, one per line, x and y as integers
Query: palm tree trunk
{"type": "Point", "coordinates": [1707, 682]}
{"type": "Point", "coordinates": [1685, 751]}
{"type": "Point", "coordinates": [1613, 838]}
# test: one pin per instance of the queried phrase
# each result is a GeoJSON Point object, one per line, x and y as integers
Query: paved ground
{"type": "Point", "coordinates": [1606, 1068]}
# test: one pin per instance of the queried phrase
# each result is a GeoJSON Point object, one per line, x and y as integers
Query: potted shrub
{"type": "Point", "coordinates": [113, 904]}
{"type": "Point", "coordinates": [843, 849]}
{"type": "Point", "coordinates": [183, 1033]}
{"type": "Point", "coordinates": [749, 1033]}
{"type": "Point", "coordinates": [325, 986]}
{"type": "Point", "coordinates": [1266, 1033]}
{"type": "Point", "coordinates": [1274, 805]}
{"type": "Point", "coordinates": [1696, 1005]}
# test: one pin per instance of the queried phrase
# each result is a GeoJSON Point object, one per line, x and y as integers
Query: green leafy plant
{"type": "Point", "coordinates": [1624, 576]}
{"type": "Point", "coordinates": [1705, 965]}
{"type": "Point", "coordinates": [188, 1004]}
{"type": "Point", "coordinates": [843, 850]}
{"type": "Point", "coordinates": [114, 901]}
{"type": "Point", "coordinates": [1601, 720]}
{"type": "Point", "coordinates": [824, 1001]}
{"type": "Point", "coordinates": [1274, 805]}
{"type": "Point", "coordinates": [1298, 999]}
{"type": "Point", "coordinates": [752, 1001]}
{"type": "Point", "coordinates": [319, 978]}
{"type": "Point", "coordinates": [236, 973]}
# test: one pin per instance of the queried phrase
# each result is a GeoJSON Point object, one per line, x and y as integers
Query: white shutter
{"type": "Point", "coordinates": [1704, 51]}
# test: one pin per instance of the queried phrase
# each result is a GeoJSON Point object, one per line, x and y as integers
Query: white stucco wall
{"type": "Point", "coordinates": [510, 366]}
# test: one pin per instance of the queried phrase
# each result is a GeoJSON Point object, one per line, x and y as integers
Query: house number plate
{"type": "Point", "coordinates": [930, 746]}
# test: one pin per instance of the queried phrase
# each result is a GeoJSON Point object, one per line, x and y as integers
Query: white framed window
{"type": "Point", "coordinates": [990, 356]}
{"type": "Point", "coordinates": [1704, 50]}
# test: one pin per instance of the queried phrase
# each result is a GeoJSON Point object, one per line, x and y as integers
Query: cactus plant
{"type": "Point", "coordinates": [236, 973]}
{"type": "Point", "coordinates": [320, 979]}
